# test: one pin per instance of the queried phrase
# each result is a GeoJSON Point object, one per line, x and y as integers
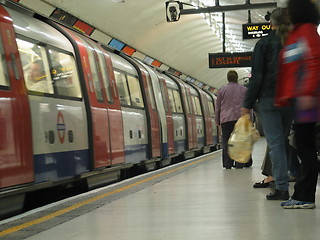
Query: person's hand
{"type": "Point", "coordinates": [244, 111]}
{"type": "Point", "coordinates": [306, 102]}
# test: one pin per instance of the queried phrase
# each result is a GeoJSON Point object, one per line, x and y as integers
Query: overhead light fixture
{"type": "Point", "coordinates": [119, 1]}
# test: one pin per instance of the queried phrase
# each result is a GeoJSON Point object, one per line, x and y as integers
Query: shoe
{"type": "Point", "coordinates": [278, 195]}
{"type": "Point", "coordinates": [261, 184]}
{"type": "Point", "coordinates": [295, 204]}
{"type": "Point", "coordinates": [248, 164]}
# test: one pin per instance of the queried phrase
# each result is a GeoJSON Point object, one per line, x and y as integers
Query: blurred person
{"type": "Point", "coordinates": [37, 77]}
{"type": "Point", "coordinates": [299, 86]}
{"type": "Point", "coordinates": [293, 167]}
{"type": "Point", "coordinates": [266, 171]}
{"type": "Point", "coordinates": [276, 121]}
{"type": "Point", "coordinates": [227, 112]}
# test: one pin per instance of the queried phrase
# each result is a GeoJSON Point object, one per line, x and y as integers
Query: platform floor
{"type": "Point", "coordinates": [196, 199]}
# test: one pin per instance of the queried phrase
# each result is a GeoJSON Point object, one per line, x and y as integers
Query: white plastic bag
{"type": "Point", "coordinates": [242, 139]}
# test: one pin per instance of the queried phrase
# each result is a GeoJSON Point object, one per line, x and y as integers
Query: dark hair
{"type": "Point", "coordinates": [232, 76]}
{"type": "Point", "coordinates": [303, 11]}
{"type": "Point", "coordinates": [279, 18]}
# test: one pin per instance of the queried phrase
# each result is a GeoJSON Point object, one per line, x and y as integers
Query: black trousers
{"type": "Point", "coordinates": [227, 162]}
{"type": "Point", "coordinates": [293, 162]}
{"type": "Point", "coordinates": [267, 164]}
{"type": "Point", "coordinates": [305, 187]}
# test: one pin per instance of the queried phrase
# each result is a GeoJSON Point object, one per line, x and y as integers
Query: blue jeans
{"type": "Point", "coordinates": [276, 123]}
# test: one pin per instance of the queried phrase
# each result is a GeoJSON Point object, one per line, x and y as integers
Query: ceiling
{"type": "Point", "coordinates": [182, 45]}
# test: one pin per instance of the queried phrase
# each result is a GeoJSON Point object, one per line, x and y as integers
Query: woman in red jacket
{"type": "Point", "coordinates": [299, 84]}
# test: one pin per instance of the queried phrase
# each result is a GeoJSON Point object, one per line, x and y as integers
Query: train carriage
{"type": "Point", "coordinates": [58, 114]}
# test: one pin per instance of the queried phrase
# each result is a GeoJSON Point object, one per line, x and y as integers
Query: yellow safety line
{"type": "Point", "coordinates": [80, 204]}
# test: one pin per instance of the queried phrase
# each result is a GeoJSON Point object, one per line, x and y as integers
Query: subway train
{"type": "Point", "coordinates": [75, 113]}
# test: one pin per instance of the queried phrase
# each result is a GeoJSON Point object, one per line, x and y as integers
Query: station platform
{"type": "Point", "coordinates": [194, 199]}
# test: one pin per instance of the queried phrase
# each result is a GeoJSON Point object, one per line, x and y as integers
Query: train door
{"type": "Point", "coordinates": [162, 108]}
{"type": "Point", "coordinates": [207, 117]}
{"type": "Point", "coordinates": [153, 115]}
{"type": "Point", "coordinates": [199, 117]}
{"type": "Point", "coordinates": [189, 113]}
{"type": "Point", "coordinates": [16, 163]}
{"type": "Point", "coordinates": [133, 110]}
{"type": "Point", "coordinates": [168, 113]}
{"type": "Point", "coordinates": [114, 109]}
{"type": "Point", "coordinates": [187, 110]}
{"type": "Point", "coordinates": [97, 102]}
{"type": "Point", "coordinates": [216, 131]}
{"type": "Point", "coordinates": [177, 113]}
{"type": "Point", "coordinates": [151, 110]}
{"type": "Point", "coordinates": [193, 141]}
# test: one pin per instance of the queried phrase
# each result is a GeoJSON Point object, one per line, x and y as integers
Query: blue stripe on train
{"type": "Point", "coordinates": [135, 153]}
{"type": "Point", "coordinates": [180, 146]}
{"type": "Point", "coordinates": [164, 149]}
{"type": "Point", "coordinates": [201, 142]}
{"type": "Point", "coordinates": [215, 140]}
{"type": "Point", "coordinates": [61, 165]}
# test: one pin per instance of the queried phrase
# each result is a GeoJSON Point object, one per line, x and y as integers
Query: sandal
{"type": "Point", "coordinates": [261, 184]}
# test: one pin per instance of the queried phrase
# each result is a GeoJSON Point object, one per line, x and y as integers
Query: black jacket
{"type": "Point", "coordinates": [264, 69]}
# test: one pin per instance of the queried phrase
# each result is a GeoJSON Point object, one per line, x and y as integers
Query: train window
{"type": "Point", "coordinates": [197, 105]}
{"type": "Point", "coordinates": [35, 67]}
{"type": "Point", "coordinates": [122, 86]}
{"type": "Point", "coordinates": [135, 92]}
{"type": "Point", "coordinates": [105, 78]}
{"type": "Point", "coordinates": [101, 67]}
{"type": "Point", "coordinates": [194, 104]}
{"type": "Point", "coordinates": [164, 98]}
{"type": "Point", "coordinates": [171, 100]}
{"type": "Point", "coordinates": [187, 104]}
{"type": "Point", "coordinates": [153, 105]}
{"type": "Point", "coordinates": [206, 106]}
{"type": "Point", "coordinates": [94, 72]}
{"type": "Point", "coordinates": [64, 74]}
{"type": "Point", "coordinates": [177, 101]}
{"type": "Point", "coordinates": [4, 79]}
{"type": "Point", "coordinates": [211, 110]}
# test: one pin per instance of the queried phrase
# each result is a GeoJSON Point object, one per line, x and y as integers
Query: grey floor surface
{"type": "Point", "coordinates": [205, 202]}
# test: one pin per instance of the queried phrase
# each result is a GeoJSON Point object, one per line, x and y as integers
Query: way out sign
{"type": "Point", "coordinates": [255, 30]}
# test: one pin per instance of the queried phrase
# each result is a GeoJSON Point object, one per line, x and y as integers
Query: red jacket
{"type": "Point", "coordinates": [299, 69]}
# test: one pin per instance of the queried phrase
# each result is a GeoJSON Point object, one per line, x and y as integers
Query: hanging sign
{"type": "Point", "coordinates": [230, 60]}
{"type": "Point", "coordinates": [255, 30]}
